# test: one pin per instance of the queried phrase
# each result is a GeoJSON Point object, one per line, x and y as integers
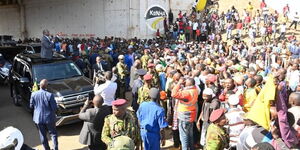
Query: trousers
{"type": "Point", "coordinates": [43, 129]}
{"type": "Point", "coordinates": [151, 140]}
{"type": "Point", "coordinates": [186, 135]}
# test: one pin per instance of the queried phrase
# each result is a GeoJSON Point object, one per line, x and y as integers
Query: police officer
{"type": "Point", "coordinates": [152, 71]}
{"type": "Point", "coordinates": [152, 121]}
{"type": "Point", "coordinates": [122, 74]}
{"type": "Point", "coordinates": [120, 128]}
{"type": "Point", "coordinates": [143, 93]}
{"type": "Point", "coordinates": [136, 85]}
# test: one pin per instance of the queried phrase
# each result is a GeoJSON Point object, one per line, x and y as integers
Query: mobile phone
{"type": "Point", "coordinates": [91, 95]}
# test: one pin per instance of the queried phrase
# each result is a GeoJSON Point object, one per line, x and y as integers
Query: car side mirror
{"type": "Point", "coordinates": [24, 80]}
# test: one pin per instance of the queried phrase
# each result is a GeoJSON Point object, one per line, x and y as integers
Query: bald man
{"type": "Point", "coordinates": [44, 107]}
{"type": "Point", "coordinates": [93, 118]}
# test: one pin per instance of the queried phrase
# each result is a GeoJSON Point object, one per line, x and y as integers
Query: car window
{"type": "Point", "coordinates": [55, 71]}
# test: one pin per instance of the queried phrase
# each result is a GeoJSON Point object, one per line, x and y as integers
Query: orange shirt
{"type": "Point", "coordinates": [187, 106]}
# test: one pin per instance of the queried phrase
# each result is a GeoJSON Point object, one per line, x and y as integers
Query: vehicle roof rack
{"type": "Point", "coordinates": [36, 58]}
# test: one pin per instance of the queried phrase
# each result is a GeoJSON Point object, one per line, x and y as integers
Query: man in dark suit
{"type": "Point", "coordinates": [93, 123]}
{"type": "Point", "coordinates": [46, 46]}
{"type": "Point", "coordinates": [44, 106]}
{"type": "Point", "coordinates": [98, 67]}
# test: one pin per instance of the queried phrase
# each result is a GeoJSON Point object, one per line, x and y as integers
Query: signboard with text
{"type": "Point", "coordinates": [154, 17]}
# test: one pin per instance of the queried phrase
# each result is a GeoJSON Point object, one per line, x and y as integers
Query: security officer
{"type": "Point", "coordinates": [145, 58]}
{"type": "Point", "coordinates": [122, 74]}
{"type": "Point", "coordinates": [143, 93]}
{"type": "Point", "coordinates": [152, 121]}
{"type": "Point", "coordinates": [152, 71]}
{"type": "Point", "coordinates": [136, 85]}
{"type": "Point", "coordinates": [120, 129]}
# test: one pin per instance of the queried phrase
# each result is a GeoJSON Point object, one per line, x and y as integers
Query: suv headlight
{"type": "Point", "coordinates": [58, 99]}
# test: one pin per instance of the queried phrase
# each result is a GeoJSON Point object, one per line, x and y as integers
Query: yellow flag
{"type": "Point", "coordinates": [260, 111]}
{"type": "Point", "coordinates": [35, 87]}
{"type": "Point", "coordinates": [201, 5]}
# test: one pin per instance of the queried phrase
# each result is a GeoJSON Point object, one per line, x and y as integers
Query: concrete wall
{"type": "Point", "coordinates": [82, 18]}
{"type": "Point", "coordinates": [9, 21]}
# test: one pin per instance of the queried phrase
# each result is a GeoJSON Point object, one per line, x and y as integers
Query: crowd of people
{"type": "Point", "coordinates": [238, 91]}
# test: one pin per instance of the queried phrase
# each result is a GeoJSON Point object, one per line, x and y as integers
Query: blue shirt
{"type": "Point", "coordinates": [151, 117]}
{"type": "Point", "coordinates": [44, 106]}
{"type": "Point", "coordinates": [57, 46]}
{"type": "Point", "coordinates": [129, 60]}
{"type": "Point", "coordinates": [295, 50]}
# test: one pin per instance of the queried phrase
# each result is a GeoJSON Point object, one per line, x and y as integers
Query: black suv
{"type": "Point", "coordinates": [66, 82]}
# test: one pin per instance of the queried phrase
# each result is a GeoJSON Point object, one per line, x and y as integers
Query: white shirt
{"type": "Point", "coordinates": [296, 17]}
{"type": "Point", "coordinates": [195, 25]}
{"type": "Point", "coordinates": [236, 125]}
{"type": "Point", "coordinates": [282, 28]}
{"type": "Point", "coordinates": [265, 10]}
{"type": "Point", "coordinates": [107, 91]}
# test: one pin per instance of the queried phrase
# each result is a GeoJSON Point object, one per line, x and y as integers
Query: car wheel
{"type": "Point", "coordinates": [15, 96]}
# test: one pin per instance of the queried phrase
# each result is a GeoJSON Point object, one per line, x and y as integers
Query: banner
{"type": "Point", "coordinates": [154, 17]}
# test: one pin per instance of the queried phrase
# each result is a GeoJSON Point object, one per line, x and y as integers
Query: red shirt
{"type": "Point", "coordinates": [239, 25]}
{"type": "Point", "coordinates": [188, 28]}
{"type": "Point", "coordinates": [262, 5]}
{"type": "Point", "coordinates": [247, 19]}
{"type": "Point", "coordinates": [269, 29]}
{"type": "Point", "coordinates": [285, 9]}
{"type": "Point", "coordinates": [180, 16]}
{"type": "Point", "coordinates": [180, 25]}
{"type": "Point", "coordinates": [198, 32]}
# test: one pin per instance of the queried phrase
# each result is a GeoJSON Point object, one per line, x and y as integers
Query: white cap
{"type": "Point", "coordinates": [209, 91]}
{"type": "Point", "coordinates": [121, 57]}
{"type": "Point", "coordinates": [275, 65]}
{"type": "Point", "coordinates": [233, 99]}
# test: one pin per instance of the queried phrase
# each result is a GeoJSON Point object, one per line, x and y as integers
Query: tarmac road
{"type": "Point", "coordinates": [19, 117]}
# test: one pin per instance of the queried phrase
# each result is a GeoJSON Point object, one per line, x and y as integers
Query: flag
{"type": "Point", "coordinates": [260, 111]}
{"type": "Point", "coordinates": [201, 5]}
{"type": "Point", "coordinates": [35, 87]}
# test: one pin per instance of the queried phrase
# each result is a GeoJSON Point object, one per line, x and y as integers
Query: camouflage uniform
{"type": "Point", "coordinates": [115, 127]}
{"type": "Point", "coordinates": [155, 79]}
{"type": "Point", "coordinates": [122, 73]}
{"type": "Point", "coordinates": [144, 60]}
{"type": "Point", "coordinates": [216, 138]}
{"type": "Point", "coordinates": [143, 94]}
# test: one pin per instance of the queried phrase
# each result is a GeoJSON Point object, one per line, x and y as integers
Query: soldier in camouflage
{"type": "Point", "coordinates": [153, 72]}
{"type": "Point", "coordinates": [122, 74]}
{"type": "Point", "coordinates": [143, 93]}
{"type": "Point", "coordinates": [119, 126]}
{"type": "Point", "coordinates": [145, 58]}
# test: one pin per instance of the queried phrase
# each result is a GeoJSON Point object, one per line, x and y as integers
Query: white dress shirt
{"type": "Point", "coordinates": [107, 91]}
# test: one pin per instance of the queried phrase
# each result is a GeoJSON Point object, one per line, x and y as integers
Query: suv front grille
{"type": "Point", "coordinates": [74, 100]}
